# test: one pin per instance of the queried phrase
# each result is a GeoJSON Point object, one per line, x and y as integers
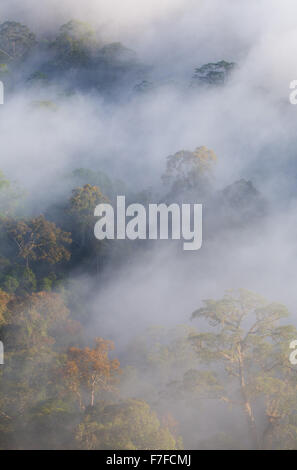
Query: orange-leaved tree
{"type": "Point", "coordinates": [39, 240]}
{"type": "Point", "coordinates": [88, 371]}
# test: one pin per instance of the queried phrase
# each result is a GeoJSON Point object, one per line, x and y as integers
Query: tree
{"type": "Point", "coordinates": [213, 73]}
{"type": "Point", "coordinates": [279, 393]}
{"type": "Point", "coordinates": [241, 203]}
{"type": "Point", "coordinates": [162, 352]}
{"type": "Point", "coordinates": [40, 317]}
{"type": "Point", "coordinates": [249, 343]}
{"type": "Point", "coordinates": [50, 425]}
{"type": "Point", "coordinates": [78, 30]}
{"type": "Point", "coordinates": [16, 40]}
{"type": "Point", "coordinates": [90, 370]}
{"type": "Point", "coordinates": [83, 176]}
{"type": "Point", "coordinates": [39, 240]}
{"type": "Point", "coordinates": [82, 206]}
{"type": "Point", "coordinates": [117, 54]}
{"type": "Point", "coordinates": [4, 183]}
{"type": "Point", "coordinates": [187, 171]}
{"type": "Point", "coordinates": [5, 298]}
{"type": "Point", "coordinates": [10, 196]}
{"type": "Point", "coordinates": [74, 44]}
{"type": "Point", "coordinates": [33, 323]}
{"type": "Point", "coordinates": [128, 425]}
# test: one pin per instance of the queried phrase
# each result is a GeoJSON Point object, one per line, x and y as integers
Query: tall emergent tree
{"type": "Point", "coordinates": [251, 345]}
{"type": "Point", "coordinates": [82, 206]}
{"type": "Point", "coordinates": [38, 239]}
{"type": "Point", "coordinates": [16, 41]}
{"type": "Point", "coordinates": [187, 171]}
{"type": "Point", "coordinates": [88, 371]}
{"type": "Point", "coordinates": [74, 44]}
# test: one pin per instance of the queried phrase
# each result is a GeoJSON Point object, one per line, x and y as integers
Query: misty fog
{"type": "Point", "coordinates": [128, 129]}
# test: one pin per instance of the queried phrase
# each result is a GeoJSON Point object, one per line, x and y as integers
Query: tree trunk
{"type": "Point", "coordinates": [246, 403]}
{"type": "Point", "coordinates": [93, 395]}
{"type": "Point", "coordinates": [81, 406]}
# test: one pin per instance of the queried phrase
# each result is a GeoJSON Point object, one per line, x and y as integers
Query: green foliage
{"type": "Point", "coordinates": [77, 31]}
{"type": "Point", "coordinates": [82, 205]}
{"type": "Point", "coordinates": [16, 41]}
{"type": "Point", "coordinates": [10, 284]}
{"type": "Point", "coordinates": [3, 69]}
{"type": "Point", "coordinates": [39, 240]}
{"type": "Point", "coordinates": [187, 170]}
{"type": "Point", "coordinates": [116, 53]}
{"type": "Point", "coordinates": [50, 425]}
{"type": "Point", "coordinates": [10, 197]}
{"type": "Point", "coordinates": [74, 44]}
{"type": "Point", "coordinates": [52, 379]}
{"type": "Point", "coordinates": [129, 425]}
{"type": "Point", "coordinates": [46, 284]}
{"type": "Point", "coordinates": [213, 73]}
{"type": "Point", "coordinates": [251, 344]}
{"type": "Point", "coordinates": [39, 77]}
{"type": "Point", "coordinates": [4, 301]}
{"type": "Point", "coordinates": [83, 176]}
{"type": "Point", "coordinates": [28, 280]}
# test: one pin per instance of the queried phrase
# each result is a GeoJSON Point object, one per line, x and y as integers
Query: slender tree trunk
{"type": "Point", "coordinates": [81, 407]}
{"type": "Point", "coordinates": [248, 410]}
{"type": "Point", "coordinates": [93, 394]}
